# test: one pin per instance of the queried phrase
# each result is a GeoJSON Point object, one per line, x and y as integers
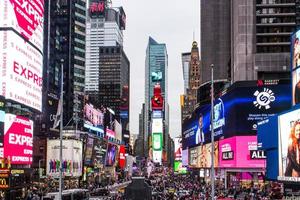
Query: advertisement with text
{"type": "Point", "coordinates": [18, 142]}
{"type": "Point", "coordinates": [21, 71]}
{"type": "Point", "coordinates": [25, 17]}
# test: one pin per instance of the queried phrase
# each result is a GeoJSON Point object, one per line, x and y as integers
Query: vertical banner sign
{"type": "Point", "coordinates": [18, 140]}
{"type": "Point", "coordinates": [2, 119]}
{"type": "Point", "coordinates": [122, 157]}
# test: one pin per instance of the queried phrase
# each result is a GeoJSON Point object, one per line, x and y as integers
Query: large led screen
{"type": "Point", "coordinates": [289, 151]}
{"type": "Point", "coordinates": [25, 17]}
{"type": "Point", "coordinates": [240, 152]}
{"type": "Point", "coordinates": [157, 141]}
{"type": "Point", "coordinates": [71, 158]}
{"type": "Point", "coordinates": [93, 116]}
{"type": "Point", "coordinates": [204, 159]}
{"type": "Point", "coordinates": [21, 70]}
{"type": "Point", "coordinates": [236, 113]}
{"type": "Point", "coordinates": [18, 142]}
{"type": "Point", "coordinates": [185, 157]}
{"type": "Point", "coordinates": [111, 153]}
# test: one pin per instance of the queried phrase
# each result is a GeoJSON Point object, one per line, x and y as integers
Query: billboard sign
{"type": "Point", "coordinates": [2, 120]}
{"type": "Point", "coordinates": [204, 152]}
{"type": "Point", "coordinates": [157, 141]}
{"type": "Point", "coordinates": [97, 9]}
{"type": "Point", "coordinates": [185, 157]}
{"type": "Point", "coordinates": [289, 134]}
{"type": "Point", "coordinates": [157, 156]}
{"type": "Point", "coordinates": [18, 139]}
{"type": "Point", "coordinates": [237, 112]}
{"type": "Point", "coordinates": [295, 64]}
{"type": "Point", "coordinates": [241, 152]}
{"type": "Point", "coordinates": [111, 153]}
{"type": "Point", "coordinates": [110, 133]}
{"type": "Point", "coordinates": [26, 18]}
{"type": "Point", "coordinates": [178, 149]}
{"type": "Point", "coordinates": [93, 116]}
{"type": "Point", "coordinates": [156, 76]}
{"type": "Point", "coordinates": [157, 125]}
{"type": "Point", "coordinates": [21, 70]}
{"type": "Point", "coordinates": [122, 158]}
{"type": "Point", "coordinates": [89, 151]}
{"type": "Point", "coordinates": [71, 155]}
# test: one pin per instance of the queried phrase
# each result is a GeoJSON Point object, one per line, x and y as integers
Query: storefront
{"type": "Point", "coordinates": [240, 162]}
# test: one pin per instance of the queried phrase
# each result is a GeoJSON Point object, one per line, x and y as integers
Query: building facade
{"type": "Point", "coordinates": [185, 59]}
{"type": "Point", "coordinates": [114, 84]}
{"type": "Point", "coordinates": [156, 72]}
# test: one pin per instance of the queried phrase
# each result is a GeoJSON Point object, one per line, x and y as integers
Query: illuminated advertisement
{"type": "Point", "coordinates": [21, 71]}
{"type": "Point", "coordinates": [178, 149]}
{"type": "Point", "coordinates": [122, 158]}
{"type": "Point", "coordinates": [25, 17]}
{"type": "Point", "coordinates": [185, 157]}
{"type": "Point", "coordinates": [18, 142]}
{"type": "Point", "coordinates": [295, 63]}
{"type": "Point", "coordinates": [193, 156]}
{"type": "Point", "coordinates": [71, 158]}
{"type": "Point", "coordinates": [157, 125]}
{"type": "Point", "coordinates": [157, 156]}
{"type": "Point", "coordinates": [157, 101]}
{"type": "Point", "coordinates": [2, 120]}
{"type": "Point", "coordinates": [89, 151]}
{"type": "Point", "coordinates": [240, 152]}
{"type": "Point", "coordinates": [296, 86]}
{"type": "Point", "coordinates": [110, 133]}
{"type": "Point", "coordinates": [204, 152]}
{"type": "Point", "coordinates": [236, 113]}
{"type": "Point", "coordinates": [157, 141]}
{"type": "Point", "coordinates": [156, 114]}
{"type": "Point", "coordinates": [111, 154]}
{"type": "Point", "coordinates": [97, 9]}
{"type": "Point", "coordinates": [93, 116]}
{"type": "Point", "coordinates": [179, 168]}
{"type": "Point", "coordinates": [156, 76]}
{"type": "Point", "coordinates": [289, 151]}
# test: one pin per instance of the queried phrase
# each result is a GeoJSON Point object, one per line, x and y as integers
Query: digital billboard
{"type": "Point", "coordinates": [93, 116]}
{"type": "Point", "coordinates": [236, 113]}
{"type": "Point", "coordinates": [26, 18]}
{"type": "Point", "coordinates": [122, 157]}
{"type": "Point", "coordinates": [185, 157]}
{"type": "Point", "coordinates": [110, 133]}
{"type": "Point", "coordinates": [178, 149]}
{"type": "Point", "coordinates": [194, 156]}
{"type": "Point", "coordinates": [179, 168]}
{"type": "Point", "coordinates": [156, 76]}
{"type": "Point", "coordinates": [97, 8]}
{"type": "Point", "coordinates": [157, 125]}
{"type": "Point", "coordinates": [157, 141]}
{"type": "Point", "coordinates": [21, 70]}
{"type": "Point", "coordinates": [71, 158]}
{"type": "Point", "coordinates": [204, 159]}
{"type": "Point", "coordinates": [111, 153]}
{"type": "Point", "coordinates": [18, 139]}
{"type": "Point", "coordinates": [289, 135]}
{"type": "Point", "coordinates": [89, 151]}
{"type": "Point", "coordinates": [241, 152]}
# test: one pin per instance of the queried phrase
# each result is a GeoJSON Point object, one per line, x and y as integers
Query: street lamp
{"type": "Point", "coordinates": [212, 175]}
{"type": "Point", "coordinates": [61, 127]}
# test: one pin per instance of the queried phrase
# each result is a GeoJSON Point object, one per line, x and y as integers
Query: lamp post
{"type": "Point", "coordinates": [61, 128]}
{"type": "Point", "coordinates": [212, 175]}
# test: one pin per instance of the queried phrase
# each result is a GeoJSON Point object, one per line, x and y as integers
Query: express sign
{"type": "Point", "coordinates": [18, 139]}
{"type": "Point", "coordinates": [26, 17]}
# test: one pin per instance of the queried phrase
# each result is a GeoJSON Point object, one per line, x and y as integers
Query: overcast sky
{"type": "Point", "coordinates": [168, 21]}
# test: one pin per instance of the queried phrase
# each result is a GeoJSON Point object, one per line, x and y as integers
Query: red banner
{"type": "Point", "coordinates": [122, 157]}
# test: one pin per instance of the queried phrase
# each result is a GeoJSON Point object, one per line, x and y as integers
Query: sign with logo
{"type": "Point", "coordinates": [71, 158]}
{"type": "Point", "coordinates": [157, 141]}
{"type": "Point", "coordinates": [157, 114]}
{"type": "Point", "coordinates": [97, 9]}
{"type": "Point", "coordinates": [240, 152]}
{"type": "Point", "coordinates": [21, 70]}
{"type": "Point", "coordinates": [25, 17]}
{"type": "Point", "coordinates": [157, 125]}
{"type": "Point", "coordinates": [18, 140]}
{"type": "Point", "coordinates": [236, 113]}
{"type": "Point", "coordinates": [122, 157]}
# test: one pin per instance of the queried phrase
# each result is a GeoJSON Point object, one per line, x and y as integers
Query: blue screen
{"type": "Point", "coordinates": [236, 113]}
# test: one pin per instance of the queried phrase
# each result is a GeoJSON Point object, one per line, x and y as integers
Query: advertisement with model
{"type": "Point", "coordinates": [111, 153]}
{"type": "Point", "coordinates": [237, 112]}
{"type": "Point", "coordinates": [71, 158]}
{"type": "Point", "coordinates": [241, 152]}
{"type": "Point", "coordinates": [295, 67]}
{"type": "Point", "coordinates": [289, 146]}
{"type": "Point", "coordinates": [26, 18]}
{"type": "Point", "coordinates": [18, 142]}
{"type": "Point", "coordinates": [21, 70]}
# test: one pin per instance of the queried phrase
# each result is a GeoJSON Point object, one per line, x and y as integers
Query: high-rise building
{"type": "Point", "coordinates": [102, 29]}
{"type": "Point", "coordinates": [156, 72]}
{"type": "Point", "coordinates": [186, 58]}
{"type": "Point", "coordinates": [71, 18]}
{"type": "Point", "coordinates": [114, 83]}
{"type": "Point", "coordinates": [246, 40]}
{"type": "Point", "coordinates": [215, 38]}
{"type": "Point", "coordinates": [261, 49]}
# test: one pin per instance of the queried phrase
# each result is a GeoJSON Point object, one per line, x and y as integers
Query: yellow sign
{"type": "Point", "coordinates": [17, 171]}
{"type": "Point", "coordinates": [3, 183]}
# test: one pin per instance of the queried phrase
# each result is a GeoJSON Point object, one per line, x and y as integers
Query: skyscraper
{"type": "Point", "coordinates": [102, 29]}
{"type": "Point", "coordinates": [71, 18]}
{"type": "Point", "coordinates": [185, 59]}
{"type": "Point", "coordinates": [156, 71]}
{"type": "Point", "coordinates": [114, 84]}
